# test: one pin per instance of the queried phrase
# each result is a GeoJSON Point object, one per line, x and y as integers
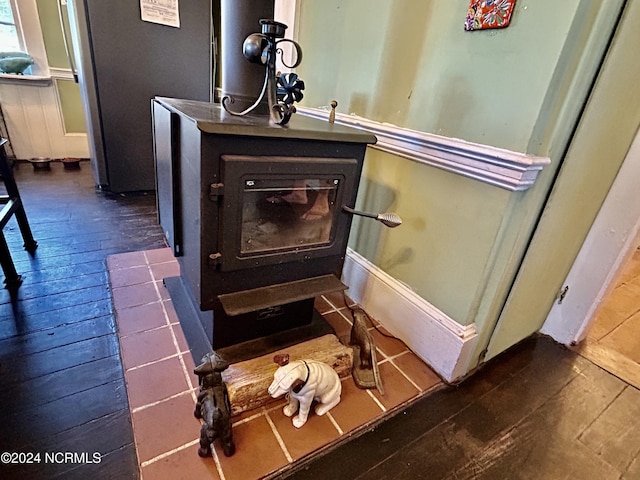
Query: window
{"type": "Point", "coordinates": [9, 36]}
{"type": "Point", "coordinates": [20, 31]}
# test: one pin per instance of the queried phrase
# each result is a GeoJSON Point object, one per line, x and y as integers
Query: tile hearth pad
{"type": "Point", "coordinates": [162, 387]}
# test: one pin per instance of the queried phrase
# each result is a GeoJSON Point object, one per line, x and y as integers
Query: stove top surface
{"type": "Point", "coordinates": [212, 118]}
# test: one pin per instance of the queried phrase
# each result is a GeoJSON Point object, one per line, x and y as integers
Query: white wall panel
{"type": "Point", "coordinates": [34, 122]}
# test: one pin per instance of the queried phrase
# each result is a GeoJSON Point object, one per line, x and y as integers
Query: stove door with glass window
{"type": "Point", "coordinates": [283, 209]}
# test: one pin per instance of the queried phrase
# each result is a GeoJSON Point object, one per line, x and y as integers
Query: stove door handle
{"type": "Point", "coordinates": [391, 220]}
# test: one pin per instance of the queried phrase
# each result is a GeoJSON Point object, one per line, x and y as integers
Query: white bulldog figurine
{"type": "Point", "coordinates": [304, 381]}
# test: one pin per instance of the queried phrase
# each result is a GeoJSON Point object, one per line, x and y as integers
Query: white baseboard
{"type": "Point", "coordinates": [440, 341]}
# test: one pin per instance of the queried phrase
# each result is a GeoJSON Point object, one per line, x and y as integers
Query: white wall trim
{"type": "Point", "coordinates": [612, 240]}
{"type": "Point", "coordinates": [29, 26]}
{"type": "Point", "coordinates": [61, 73]}
{"type": "Point", "coordinates": [496, 166]}
{"type": "Point", "coordinates": [286, 11]}
{"type": "Point", "coordinates": [32, 80]}
{"type": "Point", "coordinates": [34, 122]}
{"type": "Point", "coordinates": [440, 341]}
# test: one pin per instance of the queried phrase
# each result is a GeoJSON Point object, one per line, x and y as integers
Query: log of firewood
{"type": "Point", "coordinates": [248, 381]}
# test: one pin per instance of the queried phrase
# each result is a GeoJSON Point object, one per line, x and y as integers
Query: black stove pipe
{"type": "Point", "coordinates": [242, 80]}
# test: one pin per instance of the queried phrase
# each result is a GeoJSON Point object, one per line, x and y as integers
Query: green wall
{"type": "Point", "coordinates": [522, 88]}
{"type": "Point", "coordinates": [68, 91]}
{"type": "Point", "coordinates": [439, 250]}
{"type": "Point", "coordinates": [69, 96]}
{"type": "Point", "coordinates": [411, 63]}
{"type": "Point", "coordinates": [52, 33]}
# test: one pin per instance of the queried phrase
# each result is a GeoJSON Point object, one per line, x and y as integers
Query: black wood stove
{"type": "Point", "coordinates": [251, 198]}
{"type": "Point", "coordinates": [254, 215]}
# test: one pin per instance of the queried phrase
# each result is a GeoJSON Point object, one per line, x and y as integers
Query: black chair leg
{"type": "Point", "coordinates": [11, 278]}
{"type": "Point", "coordinates": [30, 244]}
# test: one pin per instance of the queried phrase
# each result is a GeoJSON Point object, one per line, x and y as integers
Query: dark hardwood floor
{"type": "Point", "coordinates": [537, 412]}
{"type": "Point", "coordinates": [62, 380]}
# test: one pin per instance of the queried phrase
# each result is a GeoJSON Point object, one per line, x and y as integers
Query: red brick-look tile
{"type": "Point", "coordinates": [183, 346]}
{"type": "Point", "coordinates": [126, 260]}
{"type": "Point", "coordinates": [165, 427]}
{"type": "Point", "coordinates": [160, 255]}
{"type": "Point", "coordinates": [336, 299]}
{"type": "Point", "coordinates": [134, 295]}
{"type": "Point", "coordinates": [389, 346]}
{"type": "Point", "coordinates": [157, 381]}
{"type": "Point", "coordinates": [417, 371]}
{"type": "Point", "coordinates": [140, 318]}
{"type": "Point", "coordinates": [165, 270]}
{"type": "Point", "coordinates": [356, 407]}
{"type": "Point", "coordinates": [190, 366]}
{"type": "Point", "coordinates": [145, 347]}
{"type": "Point", "coordinates": [322, 306]}
{"type": "Point", "coordinates": [184, 464]}
{"type": "Point", "coordinates": [339, 324]}
{"type": "Point", "coordinates": [129, 276]}
{"type": "Point", "coordinates": [397, 389]}
{"type": "Point", "coordinates": [164, 293]}
{"type": "Point", "coordinates": [171, 312]}
{"type": "Point", "coordinates": [316, 433]}
{"type": "Point", "coordinates": [257, 451]}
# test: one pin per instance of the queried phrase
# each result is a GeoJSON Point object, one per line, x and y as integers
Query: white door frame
{"type": "Point", "coordinates": [613, 238]}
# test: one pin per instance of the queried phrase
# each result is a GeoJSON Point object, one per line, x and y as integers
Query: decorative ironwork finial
{"type": "Point", "coordinates": [281, 90]}
{"type": "Point", "coordinates": [332, 114]}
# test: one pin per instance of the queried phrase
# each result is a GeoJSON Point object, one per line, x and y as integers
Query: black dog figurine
{"type": "Point", "coordinates": [213, 405]}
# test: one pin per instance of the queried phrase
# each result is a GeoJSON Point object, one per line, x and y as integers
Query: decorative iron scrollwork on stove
{"type": "Point", "coordinates": [282, 90]}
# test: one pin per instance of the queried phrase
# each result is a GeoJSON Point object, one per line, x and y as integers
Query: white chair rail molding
{"type": "Point", "coordinates": [502, 168]}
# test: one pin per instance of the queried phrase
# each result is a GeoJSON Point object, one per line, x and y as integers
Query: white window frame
{"type": "Point", "coordinates": [25, 14]}
{"type": "Point", "coordinates": [19, 36]}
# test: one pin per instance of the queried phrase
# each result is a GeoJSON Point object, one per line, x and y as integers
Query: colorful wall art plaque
{"type": "Point", "coordinates": [483, 14]}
